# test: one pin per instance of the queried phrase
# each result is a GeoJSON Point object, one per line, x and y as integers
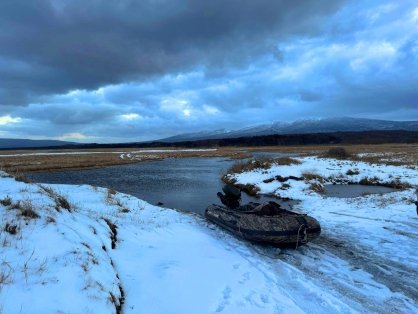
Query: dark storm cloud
{"type": "Point", "coordinates": [50, 47]}
{"type": "Point", "coordinates": [108, 71]}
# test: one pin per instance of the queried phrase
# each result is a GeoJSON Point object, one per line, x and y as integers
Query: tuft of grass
{"type": "Point", "coordinates": [394, 184]}
{"type": "Point", "coordinates": [352, 172]}
{"type": "Point", "coordinates": [369, 181]}
{"type": "Point", "coordinates": [26, 209]}
{"type": "Point", "coordinates": [11, 229]}
{"type": "Point", "coordinates": [285, 186]}
{"type": "Point", "coordinates": [338, 153]}
{"type": "Point", "coordinates": [249, 189]}
{"type": "Point", "coordinates": [50, 220]}
{"type": "Point", "coordinates": [308, 176]}
{"type": "Point", "coordinates": [7, 201]}
{"type": "Point", "coordinates": [6, 277]}
{"type": "Point", "coordinates": [60, 200]}
{"type": "Point", "coordinates": [317, 187]}
{"type": "Point", "coordinates": [19, 176]}
{"type": "Point", "coordinates": [30, 213]}
{"type": "Point", "coordinates": [397, 184]}
{"type": "Point", "coordinates": [111, 191]}
{"type": "Point", "coordinates": [286, 161]}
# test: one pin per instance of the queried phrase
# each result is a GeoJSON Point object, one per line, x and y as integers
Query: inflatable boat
{"type": "Point", "coordinates": [266, 223]}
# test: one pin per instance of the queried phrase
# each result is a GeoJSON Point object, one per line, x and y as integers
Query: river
{"type": "Point", "coordinates": [188, 184]}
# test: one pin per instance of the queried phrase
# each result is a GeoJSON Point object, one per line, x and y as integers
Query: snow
{"type": "Point", "coordinates": [165, 261]}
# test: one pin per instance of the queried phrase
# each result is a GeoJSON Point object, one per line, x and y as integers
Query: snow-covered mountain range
{"type": "Point", "coordinates": [300, 127]}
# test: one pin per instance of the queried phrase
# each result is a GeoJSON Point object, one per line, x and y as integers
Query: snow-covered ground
{"type": "Point", "coordinates": [93, 250]}
{"type": "Point", "coordinates": [367, 252]}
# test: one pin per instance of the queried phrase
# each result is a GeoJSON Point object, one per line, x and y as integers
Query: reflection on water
{"type": "Point", "coordinates": [354, 190]}
{"type": "Point", "coordinates": [187, 183]}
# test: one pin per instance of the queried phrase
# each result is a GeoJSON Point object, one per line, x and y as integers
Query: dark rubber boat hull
{"type": "Point", "coordinates": [285, 229]}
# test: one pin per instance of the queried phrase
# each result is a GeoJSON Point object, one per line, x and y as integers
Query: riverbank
{"type": "Point", "coordinates": [115, 253]}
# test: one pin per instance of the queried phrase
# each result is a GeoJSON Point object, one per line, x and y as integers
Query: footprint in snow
{"type": "Point", "coordinates": [245, 277]}
{"type": "Point", "coordinates": [163, 268]}
{"type": "Point", "coordinates": [226, 294]}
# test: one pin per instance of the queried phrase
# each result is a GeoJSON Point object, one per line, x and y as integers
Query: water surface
{"type": "Point", "coordinates": [187, 184]}
{"type": "Point", "coordinates": [354, 190]}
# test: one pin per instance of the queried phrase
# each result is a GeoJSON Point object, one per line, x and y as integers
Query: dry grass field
{"type": "Point", "coordinates": [21, 161]}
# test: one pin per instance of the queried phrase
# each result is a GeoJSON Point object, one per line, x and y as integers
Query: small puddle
{"type": "Point", "coordinates": [354, 190]}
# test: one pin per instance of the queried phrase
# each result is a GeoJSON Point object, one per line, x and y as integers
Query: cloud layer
{"type": "Point", "coordinates": [136, 70]}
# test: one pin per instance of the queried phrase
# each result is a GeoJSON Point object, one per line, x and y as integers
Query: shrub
{"type": "Point", "coordinates": [338, 153]}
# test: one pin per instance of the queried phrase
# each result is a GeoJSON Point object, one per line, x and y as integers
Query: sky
{"type": "Point", "coordinates": [135, 70]}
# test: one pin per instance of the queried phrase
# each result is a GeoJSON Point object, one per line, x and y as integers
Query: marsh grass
{"type": "Point", "coordinates": [18, 162]}
{"type": "Point", "coordinates": [394, 183]}
{"type": "Point", "coordinates": [261, 163]}
{"type": "Point", "coordinates": [309, 176]}
{"type": "Point", "coordinates": [338, 153]}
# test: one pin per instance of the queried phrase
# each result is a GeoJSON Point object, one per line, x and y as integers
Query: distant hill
{"type": "Point", "coordinates": [328, 125]}
{"type": "Point", "coordinates": [340, 138]}
{"type": "Point", "coordinates": [25, 143]}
